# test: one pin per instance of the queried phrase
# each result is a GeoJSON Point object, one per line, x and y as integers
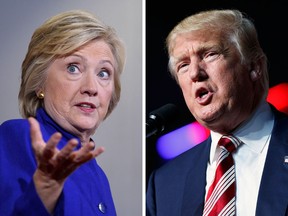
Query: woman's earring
{"type": "Point", "coordinates": [41, 95]}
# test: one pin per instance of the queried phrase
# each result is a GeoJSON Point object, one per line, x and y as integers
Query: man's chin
{"type": "Point", "coordinates": [209, 120]}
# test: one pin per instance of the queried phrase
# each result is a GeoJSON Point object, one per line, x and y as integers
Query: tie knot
{"type": "Point", "coordinates": [229, 142]}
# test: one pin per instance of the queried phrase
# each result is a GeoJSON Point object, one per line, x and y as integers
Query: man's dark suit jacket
{"type": "Point", "coordinates": [178, 187]}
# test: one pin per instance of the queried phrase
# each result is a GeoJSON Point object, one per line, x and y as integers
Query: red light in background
{"type": "Point", "coordinates": [180, 140]}
{"type": "Point", "coordinates": [278, 96]}
{"type": "Point", "coordinates": [176, 142]}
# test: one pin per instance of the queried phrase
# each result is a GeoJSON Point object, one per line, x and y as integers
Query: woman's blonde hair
{"type": "Point", "coordinates": [60, 36]}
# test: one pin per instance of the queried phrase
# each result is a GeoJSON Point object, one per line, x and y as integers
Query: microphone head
{"type": "Point", "coordinates": [160, 118]}
{"type": "Point", "coordinates": [165, 113]}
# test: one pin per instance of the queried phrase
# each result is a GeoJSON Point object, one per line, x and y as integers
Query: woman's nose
{"type": "Point", "coordinates": [89, 85]}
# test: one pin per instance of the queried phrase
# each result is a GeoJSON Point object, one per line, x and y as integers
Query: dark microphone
{"type": "Point", "coordinates": [160, 118]}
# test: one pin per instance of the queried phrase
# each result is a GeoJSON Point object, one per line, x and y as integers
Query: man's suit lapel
{"type": "Point", "coordinates": [273, 196]}
{"type": "Point", "coordinates": [194, 189]}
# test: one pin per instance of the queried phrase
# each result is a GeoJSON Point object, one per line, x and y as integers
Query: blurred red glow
{"type": "Point", "coordinates": [176, 142]}
{"type": "Point", "coordinates": [278, 96]}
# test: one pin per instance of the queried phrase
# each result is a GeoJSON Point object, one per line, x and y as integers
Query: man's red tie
{"type": "Point", "coordinates": [221, 196]}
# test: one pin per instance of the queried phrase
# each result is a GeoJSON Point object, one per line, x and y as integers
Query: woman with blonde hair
{"type": "Point", "coordinates": [70, 83]}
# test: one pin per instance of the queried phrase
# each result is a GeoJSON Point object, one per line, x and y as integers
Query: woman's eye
{"type": "Point", "coordinates": [104, 74]}
{"type": "Point", "coordinates": [72, 68]}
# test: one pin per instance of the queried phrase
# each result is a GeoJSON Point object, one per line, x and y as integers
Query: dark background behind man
{"type": "Point", "coordinates": [270, 20]}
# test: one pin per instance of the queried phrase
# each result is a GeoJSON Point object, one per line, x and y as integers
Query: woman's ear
{"type": "Point", "coordinates": [40, 94]}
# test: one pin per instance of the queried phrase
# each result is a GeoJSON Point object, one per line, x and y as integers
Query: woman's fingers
{"type": "Point", "coordinates": [58, 164]}
{"type": "Point", "coordinates": [66, 151]}
{"type": "Point", "coordinates": [87, 152]}
{"type": "Point", "coordinates": [47, 153]}
{"type": "Point", "coordinates": [97, 151]}
{"type": "Point", "coordinates": [44, 152]}
{"type": "Point", "coordinates": [35, 134]}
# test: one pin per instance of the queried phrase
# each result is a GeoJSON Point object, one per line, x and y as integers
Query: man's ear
{"type": "Point", "coordinates": [254, 75]}
{"type": "Point", "coordinates": [255, 71]}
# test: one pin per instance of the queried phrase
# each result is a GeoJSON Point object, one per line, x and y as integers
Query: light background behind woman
{"type": "Point", "coordinates": [120, 134]}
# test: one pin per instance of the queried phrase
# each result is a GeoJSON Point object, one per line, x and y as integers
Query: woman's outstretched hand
{"type": "Point", "coordinates": [54, 165]}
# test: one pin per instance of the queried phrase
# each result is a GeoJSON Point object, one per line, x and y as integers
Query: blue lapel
{"type": "Point", "coordinates": [273, 191]}
{"type": "Point", "coordinates": [194, 188]}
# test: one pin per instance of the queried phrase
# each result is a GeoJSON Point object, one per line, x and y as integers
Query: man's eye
{"type": "Point", "coordinates": [182, 67]}
{"type": "Point", "coordinates": [72, 68]}
{"type": "Point", "coordinates": [211, 56]}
